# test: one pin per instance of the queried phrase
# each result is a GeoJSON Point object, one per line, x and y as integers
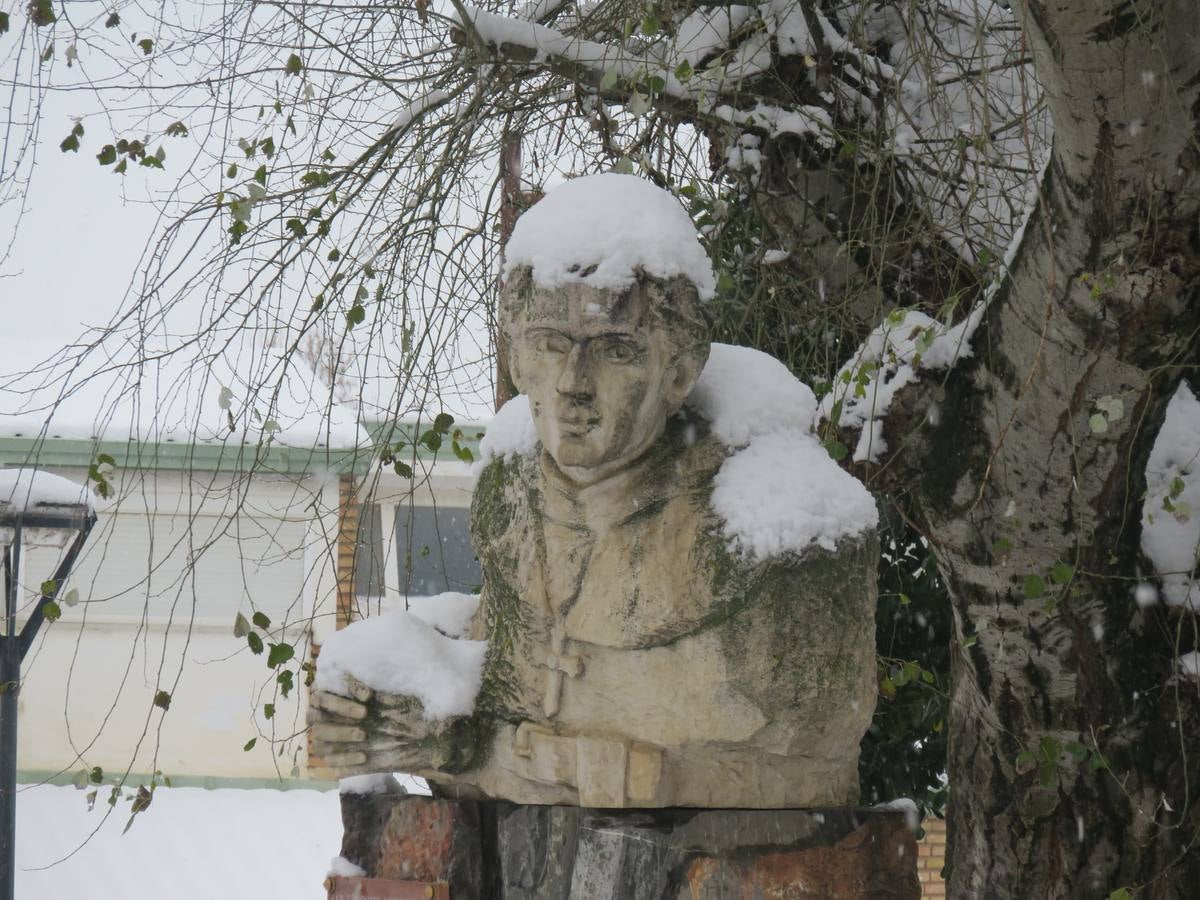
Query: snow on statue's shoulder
{"type": "Point", "coordinates": [510, 433]}
{"type": "Point", "coordinates": [782, 493]}
{"type": "Point", "coordinates": [601, 229]}
{"type": "Point", "coordinates": [779, 491]}
{"type": "Point", "coordinates": [744, 392]}
{"type": "Point", "coordinates": [400, 653]}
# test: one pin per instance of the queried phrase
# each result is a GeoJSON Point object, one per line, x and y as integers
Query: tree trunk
{"type": "Point", "coordinates": [1075, 747]}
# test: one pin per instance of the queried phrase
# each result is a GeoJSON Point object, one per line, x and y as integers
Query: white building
{"type": "Point", "coordinates": [220, 516]}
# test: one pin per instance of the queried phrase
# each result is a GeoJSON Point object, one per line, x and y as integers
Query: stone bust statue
{"type": "Point", "coordinates": [636, 655]}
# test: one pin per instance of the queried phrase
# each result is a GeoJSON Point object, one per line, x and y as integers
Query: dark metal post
{"type": "Point", "coordinates": [10, 679]}
{"type": "Point", "coordinates": [13, 647]}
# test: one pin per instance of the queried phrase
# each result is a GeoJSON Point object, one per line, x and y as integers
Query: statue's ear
{"type": "Point", "coordinates": [512, 369]}
{"type": "Point", "coordinates": [682, 377]}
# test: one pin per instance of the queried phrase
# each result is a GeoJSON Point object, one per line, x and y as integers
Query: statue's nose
{"type": "Point", "coordinates": [575, 380]}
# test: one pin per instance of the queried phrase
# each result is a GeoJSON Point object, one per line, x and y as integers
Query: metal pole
{"type": "Point", "coordinates": [10, 679]}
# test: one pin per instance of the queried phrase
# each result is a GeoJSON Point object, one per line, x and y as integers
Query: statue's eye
{"type": "Point", "coordinates": [550, 342]}
{"type": "Point", "coordinates": [619, 352]}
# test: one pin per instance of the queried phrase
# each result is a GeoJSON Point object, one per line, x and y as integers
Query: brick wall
{"type": "Point", "coordinates": [931, 856]}
{"type": "Point", "coordinates": [349, 510]}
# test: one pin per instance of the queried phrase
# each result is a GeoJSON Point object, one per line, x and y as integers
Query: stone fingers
{"type": "Point", "coordinates": [331, 733]}
{"type": "Point", "coordinates": [357, 690]}
{"type": "Point", "coordinates": [336, 705]}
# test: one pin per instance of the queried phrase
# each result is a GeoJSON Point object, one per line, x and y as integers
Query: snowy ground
{"type": "Point", "coordinates": [190, 844]}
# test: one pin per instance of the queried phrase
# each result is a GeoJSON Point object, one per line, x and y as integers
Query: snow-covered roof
{"type": "Point", "coordinates": [600, 229]}
{"type": "Point", "coordinates": [25, 489]}
{"type": "Point", "coordinates": [242, 393]}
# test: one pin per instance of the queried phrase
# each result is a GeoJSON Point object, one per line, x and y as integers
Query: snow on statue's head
{"type": "Point", "coordinates": [602, 312]}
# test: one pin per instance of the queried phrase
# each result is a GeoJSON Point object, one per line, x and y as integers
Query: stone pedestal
{"type": "Point", "coordinates": [501, 851]}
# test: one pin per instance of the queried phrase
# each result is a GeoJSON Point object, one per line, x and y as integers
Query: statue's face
{"type": "Point", "coordinates": [599, 375]}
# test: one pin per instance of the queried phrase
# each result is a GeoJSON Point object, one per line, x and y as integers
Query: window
{"type": "Point", "coordinates": [434, 551]}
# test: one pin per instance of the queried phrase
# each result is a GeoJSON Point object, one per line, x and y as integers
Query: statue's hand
{"type": "Point", "coordinates": [367, 731]}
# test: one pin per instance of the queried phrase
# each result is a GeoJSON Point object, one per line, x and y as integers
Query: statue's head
{"type": "Point", "coordinates": [602, 315]}
{"type": "Point", "coordinates": [603, 368]}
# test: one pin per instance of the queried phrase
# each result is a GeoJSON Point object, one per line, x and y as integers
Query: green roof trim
{"type": "Point", "coordinates": [274, 458]}
{"type": "Point", "coordinates": [179, 457]}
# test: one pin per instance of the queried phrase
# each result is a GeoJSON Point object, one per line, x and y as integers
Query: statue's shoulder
{"type": "Point", "coordinates": [503, 495]}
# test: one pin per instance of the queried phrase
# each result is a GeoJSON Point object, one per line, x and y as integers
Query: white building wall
{"type": "Point", "coordinates": [168, 568]}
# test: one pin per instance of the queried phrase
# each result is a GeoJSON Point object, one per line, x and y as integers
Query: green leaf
{"type": "Point", "coordinates": [232, 171]}
{"type": "Point", "coordinates": [1098, 423]}
{"type": "Point", "coordinates": [70, 142]}
{"type": "Point", "coordinates": [1177, 487]}
{"type": "Point", "coordinates": [651, 25]}
{"type": "Point", "coordinates": [42, 13]}
{"type": "Point", "coordinates": [52, 611]}
{"type": "Point", "coordinates": [683, 71]}
{"type": "Point", "coordinates": [3, 22]}
{"type": "Point", "coordinates": [280, 653]}
{"type": "Point", "coordinates": [1026, 762]}
{"type": "Point", "coordinates": [294, 65]}
{"type": "Point", "coordinates": [837, 450]}
{"type": "Point", "coordinates": [49, 587]}
{"type": "Point", "coordinates": [1034, 587]}
{"type": "Point", "coordinates": [249, 745]}
{"type": "Point", "coordinates": [1112, 407]}
{"type": "Point", "coordinates": [296, 227]}
{"type": "Point", "coordinates": [443, 422]}
{"type": "Point", "coordinates": [268, 710]}
{"type": "Point", "coordinates": [286, 682]}
{"type": "Point", "coordinates": [96, 775]}
{"type": "Point", "coordinates": [162, 700]}
{"type": "Point", "coordinates": [112, 21]}
{"type": "Point", "coordinates": [1062, 573]}
{"type": "Point", "coordinates": [1121, 894]}
{"type": "Point", "coordinates": [147, 46]}
{"type": "Point", "coordinates": [255, 642]}
{"type": "Point", "coordinates": [268, 146]}
{"type": "Point", "coordinates": [241, 627]}
{"type": "Point", "coordinates": [177, 129]}
{"type": "Point", "coordinates": [261, 620]}
{"type": "Point", "coordinates": [432, 440]}
{"type": "Point", "coordinates": [355, 315]}
{"type": "Point", "coordinates": [1047, 772]}
{"type": "Point", "coordinates": [656, 83]}
{"type": "Point", "coordinates": [1002, 546]}
{"type": "Point", "coordinates": [403, 469]}
{"type": "Point", "coordinates": [463, 453]}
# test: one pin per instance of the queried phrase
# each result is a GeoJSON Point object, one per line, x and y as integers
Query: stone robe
{"type": "Point", "coordinates": [636, 660]}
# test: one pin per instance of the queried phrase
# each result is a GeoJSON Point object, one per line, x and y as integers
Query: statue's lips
{"type": "Point", "coordinates": [577, 426]}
